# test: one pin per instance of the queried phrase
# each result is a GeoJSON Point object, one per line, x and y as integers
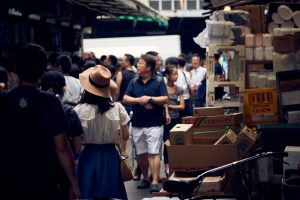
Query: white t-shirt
{"type": "Point", "coordinates": [73, 91]}
{"type": "Point", "coordinates": [184, 83]}
{"type": "Point", "coordinates": [197, 75]}
{"type": "Point", "coordinates": [101, 129]}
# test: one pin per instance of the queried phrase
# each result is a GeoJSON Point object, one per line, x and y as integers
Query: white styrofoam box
{"type": "Point", "coordinates": [268, 53]}
{"type": "Point", "coordinates": [219, 28]}
{"type": "Point", "coordinates": [283, 31]}
{"type": "Point", "coordinates": [253, 79]}
{"type": "Point", "coordinates": [262, 80]}
{"type": "Point", "coordinates": [290, 97]}
{"type": "Point", "coordinates": [271, 80]}
{"type": "Point", "coordinates": [284, 61]}
{"type": "Point", "coordinates": [285, 12]}
{"type": "Point", "coordinates": [296, 18]}
{"type": "Point", "coordinates": [288, 24]}
{"type": "Point", "coordinates": [258, 40]}
{"type": "Point", "coordinates": [267, 40]}
{"type": "Point", "coordinates": [249, 40]}
{"type": "Point", "coordinates": [294, 117]}
{"type": "Point", "coordinates": [249, 53]}
{"type": "Point", "coordinates": [293, 158]}
{"type": "Point", "coordinates": [277, 18]}
{"type": "Point", "coordinates": [258, 53]}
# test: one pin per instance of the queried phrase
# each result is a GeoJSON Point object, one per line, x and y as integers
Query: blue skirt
{"type": "Point", "coordinates": [99, 173]}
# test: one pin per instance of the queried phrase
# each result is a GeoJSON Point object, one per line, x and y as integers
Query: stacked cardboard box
{"type": "Point", "coordinates": [191, 146]}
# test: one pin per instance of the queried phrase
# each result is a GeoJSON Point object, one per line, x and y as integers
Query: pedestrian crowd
{"type": "Point", "coordinates": [63, 115]}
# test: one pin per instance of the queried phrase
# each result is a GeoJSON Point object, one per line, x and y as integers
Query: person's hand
{"type": "Point", "coordinates": [168, 119]}
{"type": "Point", "coordinates": [144, 100]}
{"type": "Point", "coordinates": [148, 106]}
{"type": "Point", "coordinates": [2, 86]}
{"type": "Point", "coordinates": [74, 192]}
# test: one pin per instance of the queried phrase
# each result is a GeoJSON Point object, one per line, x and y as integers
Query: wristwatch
{"type": "Point", "coordinates": [150, 99]}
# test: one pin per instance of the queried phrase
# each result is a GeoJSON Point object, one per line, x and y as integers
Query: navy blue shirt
{"type": "Point", "coordinates": [155, 87]}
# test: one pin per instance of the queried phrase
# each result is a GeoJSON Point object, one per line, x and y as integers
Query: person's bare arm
{"type": "Point", "coordinates": [130, 100]}
{"type": "Point", "coordinates": [161, 100]}
{"type": "Point", "coordinates": [64, 153]}
{"type": "Point", "coordinates": [181, 104]}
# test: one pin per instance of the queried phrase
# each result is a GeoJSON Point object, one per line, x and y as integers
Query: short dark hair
{"type": "Point", "coordinates": [130, 58]}
{"type": "Point", "coordinates": [181, 61]}
{"type": "Point", "coordinates": [113, 59]}
{"type": "Point", "coordinates": [196, 55]}
{"type": "Point", "coordinates": [171, 61]}
{"type": "Point", "coordinates": [150, 61]}
{"type": "Point", "coordinates": [152, 53]}
{"type": "Point", "coordinates": [31, 62]}
{"type": "Point", "coordinates": [65, 62]}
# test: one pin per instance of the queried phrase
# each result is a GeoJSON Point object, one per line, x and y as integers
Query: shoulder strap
{"type": "Point", "coordinates": [187, 83]}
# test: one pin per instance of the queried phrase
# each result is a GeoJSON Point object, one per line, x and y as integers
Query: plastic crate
{"type": "Point", "coordinates": [260, 106]}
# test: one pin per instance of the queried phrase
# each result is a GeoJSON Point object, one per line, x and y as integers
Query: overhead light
{"type": "Point", "coordinates": [227, 8]}
{"type": "Point", "coordinates": [51, 21]}
{"type": "Point", "coordinates": [15, 12]}
{"type": "Point", "coordinates": [77, 26]}
{"type": "Point", "coordinates": [105, 17]}
{"type": "Point", "coordinates": [66, 24]}
{"type": "Point", "coordinates": [34, 17]}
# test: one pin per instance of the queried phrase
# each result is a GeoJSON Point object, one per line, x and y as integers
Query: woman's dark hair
{"type": "Point", "coordinates": [31, 62]}
{"type": "Point", "coordinates": [103, 103]}
{"type": "Point", "coordinates": [150, 61]}
{"type": "Point", "coordinates": [169, 69]}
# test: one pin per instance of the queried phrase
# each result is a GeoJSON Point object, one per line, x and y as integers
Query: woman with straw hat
{"type": "Point", "coordinates": [98, 170]}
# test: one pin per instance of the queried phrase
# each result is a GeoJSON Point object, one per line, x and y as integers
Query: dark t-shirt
{"type": "Point", "coordinates": [30, 119]}
{"type": "Point", "coordinates": [74, 127]}
{"type": "Point", "coordinates": [155, 87]}
{"type": "Point", "coordinates": [127, 76]}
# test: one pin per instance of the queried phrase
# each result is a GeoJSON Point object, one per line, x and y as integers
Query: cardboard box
{"type": "Point", "coordinates": [208, 111]}
{"type": "Point", "coordinates": [228, 138]}
{"type": "Point", "coordinates": [181, 134]}
{"type": "Point", "coordinates": [245, 141]}
{"type": "Point", "coordinates": [201, 156]}
{"type": "Point", "coordinates": [257, 21]}
{"type": "Point", "coordinates": [209, 184]}
{"type": "Point", "coordinates": [214, 121]}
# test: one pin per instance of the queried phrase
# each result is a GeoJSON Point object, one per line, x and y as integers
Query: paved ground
{"type": "Point", "coordinates": [132, 192]}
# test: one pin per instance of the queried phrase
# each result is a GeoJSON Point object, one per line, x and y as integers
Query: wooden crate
{"type": "Point", "coordinates": [260, 106]}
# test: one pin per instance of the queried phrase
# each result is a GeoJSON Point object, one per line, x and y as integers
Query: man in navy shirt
{"type": "Point", "coordinates": [147, 94]}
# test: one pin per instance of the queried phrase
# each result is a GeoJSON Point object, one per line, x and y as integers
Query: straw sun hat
{"type": "Point", "coordinates": [96, 80]}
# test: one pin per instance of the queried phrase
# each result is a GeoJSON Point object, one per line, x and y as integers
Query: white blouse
{"type": "Point", "coordinates": [101, 128]}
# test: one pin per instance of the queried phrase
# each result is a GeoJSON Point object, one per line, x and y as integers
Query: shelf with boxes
{"type": "Point", "coordinates": [231, 83]}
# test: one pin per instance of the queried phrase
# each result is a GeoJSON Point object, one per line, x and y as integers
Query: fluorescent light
{"type": "Point", "coordinates": [34, 17]}
{"type": "Point", "coordinates": [67, 24]}
{"type": "Point", "coordinates": [77, 26]}
{"type": "Point", "coordinates": [51, 21]}
{"type": "Point", "coordinates": [15, 12]}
